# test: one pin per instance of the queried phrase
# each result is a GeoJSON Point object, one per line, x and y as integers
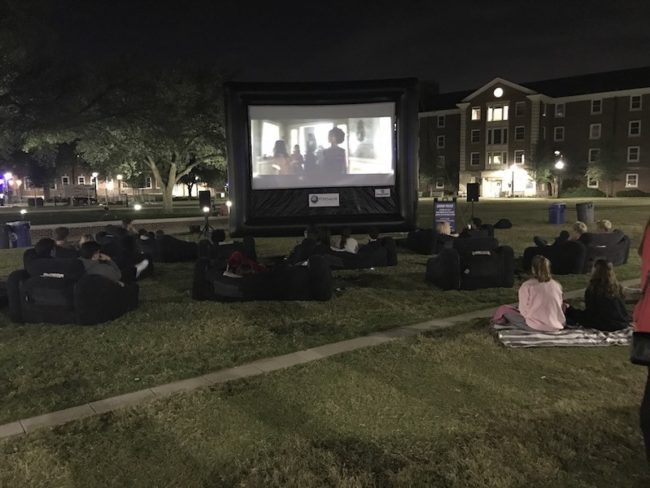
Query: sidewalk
{"type": "Point", "coordinates": [255, 368]}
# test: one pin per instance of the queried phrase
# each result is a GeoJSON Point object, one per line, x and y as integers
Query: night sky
{"type": "Point", "coordinates": [460, 44]}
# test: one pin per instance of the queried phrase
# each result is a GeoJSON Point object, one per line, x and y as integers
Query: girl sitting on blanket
{"type": "Point", "coordinates": [540, 301]}
{"type": "Point", "coordinates": [605, 307]}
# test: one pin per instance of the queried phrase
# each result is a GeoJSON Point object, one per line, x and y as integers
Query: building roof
{"type": "Point", "coordinates": [609, 81]}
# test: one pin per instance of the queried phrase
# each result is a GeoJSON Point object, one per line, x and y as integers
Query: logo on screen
{"type": "Point", "coordinates": [314, 199]}
{"type": "Point", "coordinates": [323, 200]}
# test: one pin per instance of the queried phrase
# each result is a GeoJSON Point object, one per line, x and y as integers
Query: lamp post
{"type": "Point", "coordinates": [95, 175]}
{"type": "Point", "coordinates": [559, 166]}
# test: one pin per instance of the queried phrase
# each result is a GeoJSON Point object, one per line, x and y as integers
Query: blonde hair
{"type": "Point", "coordinates": [540, 267]}
{"type": "Point", "coordinates": [443, 228]}
{"type": "Point", "coordinates": [605, 225]}
{"type": "Point", "coordinates": [580, 227]}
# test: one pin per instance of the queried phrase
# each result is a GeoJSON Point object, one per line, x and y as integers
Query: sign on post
{"type": "Point", "coordinates": [445, 211]}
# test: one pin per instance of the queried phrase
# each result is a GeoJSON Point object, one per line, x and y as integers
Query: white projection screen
{"type": "Point", "coordinates": [316, 146]}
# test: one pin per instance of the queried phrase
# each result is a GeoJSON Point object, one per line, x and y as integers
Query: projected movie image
{"type": "Point", "coordinates": [322, 146]}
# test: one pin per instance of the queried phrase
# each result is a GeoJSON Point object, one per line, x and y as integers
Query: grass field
{"type": "Point", "coordinates": [448, 410]}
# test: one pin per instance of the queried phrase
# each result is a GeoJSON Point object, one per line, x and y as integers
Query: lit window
{"type": "Point", "coordinates": [634, 128]}
{"type": "Point", "coordinates": [596, 107]}
{"type": "Point", "coordinates": [631, 180]}
{"type": "Point", "coordinates": [496, 158]}
{"type": "Point", "coordinates": [53, 186]}
{"type": "Point", "coordinates": [441, 161]}
{"type": "Point", "coordinates": [440, 142]}
{"type": "Point", "coordinates": [519, 109]}
{"type": "Point", "coordinates": [635, 103]}
{"type": "Point", "coordinates": [592, 182]}
{"type": "Point", "coordinates": [441, 121]}
{"type": "Point", "coordinates": [81, 180]}
{"type": "Point", "coordinates": [559, 110]}
{"type": "Point", "coordinates": [497, 113]}
{"type": "Point", "coordinates": [497, 136]}
{"type": "Point", "coordinates": [440, 184]}
{"type": "Point", "coordinates": [519, 157]}
{"type": "Point", "coordinates": [594, 155]}
{"type": "Point", "coordinates": [594, 131]}
{"type": "Point", "coordinates": [65, 180]}
{"type": "Point", "coordinates": [520, 133]}
{"type": "Point", "coordinates": [476, 136]}
{"type": "Point", "coordinates": [147, 182]}
{"type": "Point", "coordinates": [475, 159]}
{"type": "Point", "coordinates": [476, 113]}
{"type": "Point", "coordinates": [558, 133]}
{"type": "Point", "coordinates": [633, 154]}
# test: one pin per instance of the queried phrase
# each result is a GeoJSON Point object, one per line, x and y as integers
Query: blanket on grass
{"type": "Point", "coordinates": [580, 337]}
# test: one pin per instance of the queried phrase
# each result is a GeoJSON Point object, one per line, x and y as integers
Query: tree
{"type": "Point", "coordinates": [607, 167]}
{"type": "Point", "coordinates": [542, 167]}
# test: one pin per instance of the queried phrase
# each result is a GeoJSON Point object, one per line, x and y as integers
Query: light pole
{"type": "Point", "coordinates": [559, 165]}
{"type": "Point", "coordinates": [95, 175]}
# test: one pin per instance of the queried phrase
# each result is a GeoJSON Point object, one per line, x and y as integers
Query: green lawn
{"type": "Point", "coordinates": [450, 409]}
{"type": "Point", "coordinates": [48, 367]}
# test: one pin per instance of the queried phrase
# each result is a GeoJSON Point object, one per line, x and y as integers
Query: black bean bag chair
{"type": "Point", "coordinates": [59, 291]}
{"type": "Point", "coordinates": [124, 249]}
{"type": "Point", "coordinates": [577, 257]}
{"type": "Point", "coordinates": [221, 252]}
{"type": "Point", "coordinates": [4, 297]}
{"type": "Point", "coordinates": [173, 250]}
{"type": "Point", "coordinates": [377, 254]}
{"type": "Point", "coordinates": [472, 264]}
{"type": "Point", "coordinates": [426, 241]}
{"type": "Point", "coordinates": [284, 282]}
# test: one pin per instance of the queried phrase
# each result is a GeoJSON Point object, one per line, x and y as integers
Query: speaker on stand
{"type": "Point", "coordinates": [205, 204]}
{"type": "Point", "coordinates": [472, 195]}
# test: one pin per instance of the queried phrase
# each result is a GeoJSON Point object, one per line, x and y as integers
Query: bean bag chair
{"type": "Point", "coordinates": [612, 246]}
{"type": "Point", "coordinates": [59, 291]}
{"type": "Point", "coordinates": [222, 251]}
{"type": "Point", "coordinates": [285, 282]}
{"type": "Point", "coordinates": [472, 264]}
{"type": "Point", "coordinates": [4, 298]}
{"type": "Point", "coordinates": [173, 250]}
{"type": "Point", "coordinates": [566, 258]}
{"type": "Point", "coordinates": [426, 241]}
{"type": "Point", "coordinates": [376, 254]}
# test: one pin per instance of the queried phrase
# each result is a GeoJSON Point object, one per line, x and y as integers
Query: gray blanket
{"type": "Point", "coordinates": [580, 337]}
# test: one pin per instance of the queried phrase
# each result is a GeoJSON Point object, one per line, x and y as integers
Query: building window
{"type": "Point", "coordinates": [633, 154]}
{"type": "Point", "coordinates": [476, 136]}
{"type": "Point", "coordinates": [594, 131]}
{"type": "Point", "coordinates": [559, 110]}
{"type": "Point", "coordinates": [53, 186]}
{"type": "Point", "coordinates": [519, 157]}
{"type": "Point", "coordinates": [81, 180]}
{"type": "Point", "coordinates": [592, 182]}
{"type": "Point", "coordinates": [497, 113]}
{"type": "Point", "coordinates": [558, 133]}
{"type": "Point", "coordinates": [147, 182]}
{"type": "Point", "coordinates": [440, 184]}
{"type": "Point", "coordinates": [594, 155]}
{"type": "Point", "coordinates": [520, 133]}
{"type": "Point", "coordinates": [440, 161]}
{"type": "Point", "coordinates": [440, 142]}
{"type": "Point", "coordinates": [476, 113]}
{"type": "Point", "coordinates": [635, 103]}
{"type": "Point", "coordinates": [441, 121]}
{"type": "Point", "coordinates": [634, 128]}
{"type": "Point", "coordinates": [497, 136]}
{"type": "Point", "coordinates": [519, 109]}
{"type": "Point", "coordinates": [65, 180]}
{"type": "Point", "coordinates": [475, 159]}
{"type": "Point", "coordinates": [596, 107]}
{"type": "Point", "coordinates": [631, 180]}
{"type": "Point", "coordinates": [496, 158]}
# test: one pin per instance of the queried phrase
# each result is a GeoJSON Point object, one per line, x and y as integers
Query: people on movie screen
{"type": "Point", "coordinates": [334, 157]}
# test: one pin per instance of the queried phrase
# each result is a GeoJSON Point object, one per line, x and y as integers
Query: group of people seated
{"type": "Point", "coordinates": [578, 231]}
{"type": "Point", "coordinates": [541, 306]}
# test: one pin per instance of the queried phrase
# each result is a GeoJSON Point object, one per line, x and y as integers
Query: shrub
{"type": "Point", "coordinates": [632, 193]}
{"type": "Point", "coordinates": [582, 192]}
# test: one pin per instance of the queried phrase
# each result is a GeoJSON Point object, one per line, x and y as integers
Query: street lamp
{"type": "Point", "coordinates": [559, 165]}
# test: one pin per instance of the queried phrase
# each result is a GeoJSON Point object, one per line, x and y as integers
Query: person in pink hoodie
{"type": "Point", "coordinates": [540, 301]}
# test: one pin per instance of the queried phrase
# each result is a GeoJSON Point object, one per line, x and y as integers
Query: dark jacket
{"type": "Point", "coordinates": [604, 313]}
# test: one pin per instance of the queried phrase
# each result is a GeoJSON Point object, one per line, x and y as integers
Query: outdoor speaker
{"type": "Point", "coordinates": [204, 199]}
{"type": "Point", "coordinates": [472, 192]}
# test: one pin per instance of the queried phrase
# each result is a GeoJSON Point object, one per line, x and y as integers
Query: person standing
{"type": "Point", "coordinates": [642, 324]}
{"type": "Point", "coordinates": [334, 157]}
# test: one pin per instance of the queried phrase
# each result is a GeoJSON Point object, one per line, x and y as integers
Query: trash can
{"type": "Point", "coordinates": [5, 230]}
{"type": "Point", "coordinates": [18, 233]}
{"type": "Point", "coordinates": [585, 212]}
{"type": "Point", "coordinates": [556, 213]}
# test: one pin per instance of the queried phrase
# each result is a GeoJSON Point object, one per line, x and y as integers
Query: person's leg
{"type": "Point", "coordinates": [539, 242]}
{"type": "Point", "coordinates": [645, 417]}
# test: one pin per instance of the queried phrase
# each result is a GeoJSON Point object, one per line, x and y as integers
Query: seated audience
{"type": "Point", "coordinates": [127, 224]}
{"type": "Point", "coordinates": [443, 228]}
{"type": "Point", "coordinates": [45, 248]}
{"type": "Point", "coordinates": [540, 301]}
{"type": "Point", "coordinates": [604, 226]}
{"type": "Point", "coordinates": [309, 245]}
{"type": "Point", "coordinates": [85, 238]}
{"type": "Point", "coordinates": [579, 229]}
{"type": "Point", "coordinates": [61, 237]}
{"type": "Point", "coordinates": [95, 262]}
{"type": "Point", "coordinates": [160, 232]}
{"type": "Point", "coordinates": [239, 266]}
{"type": "Point", "coordinates": [604, 305]}
{"type": "Point", "coordinates": [345, 242]}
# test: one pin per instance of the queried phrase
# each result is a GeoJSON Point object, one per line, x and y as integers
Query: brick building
{"type": "Point", "coordinates": [498, 134]}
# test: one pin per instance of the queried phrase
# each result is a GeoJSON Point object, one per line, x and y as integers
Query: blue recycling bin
{"type": "Point", "coordinates": [18, 233]}
{"type": "Point", "coordinates": [556, 213]}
